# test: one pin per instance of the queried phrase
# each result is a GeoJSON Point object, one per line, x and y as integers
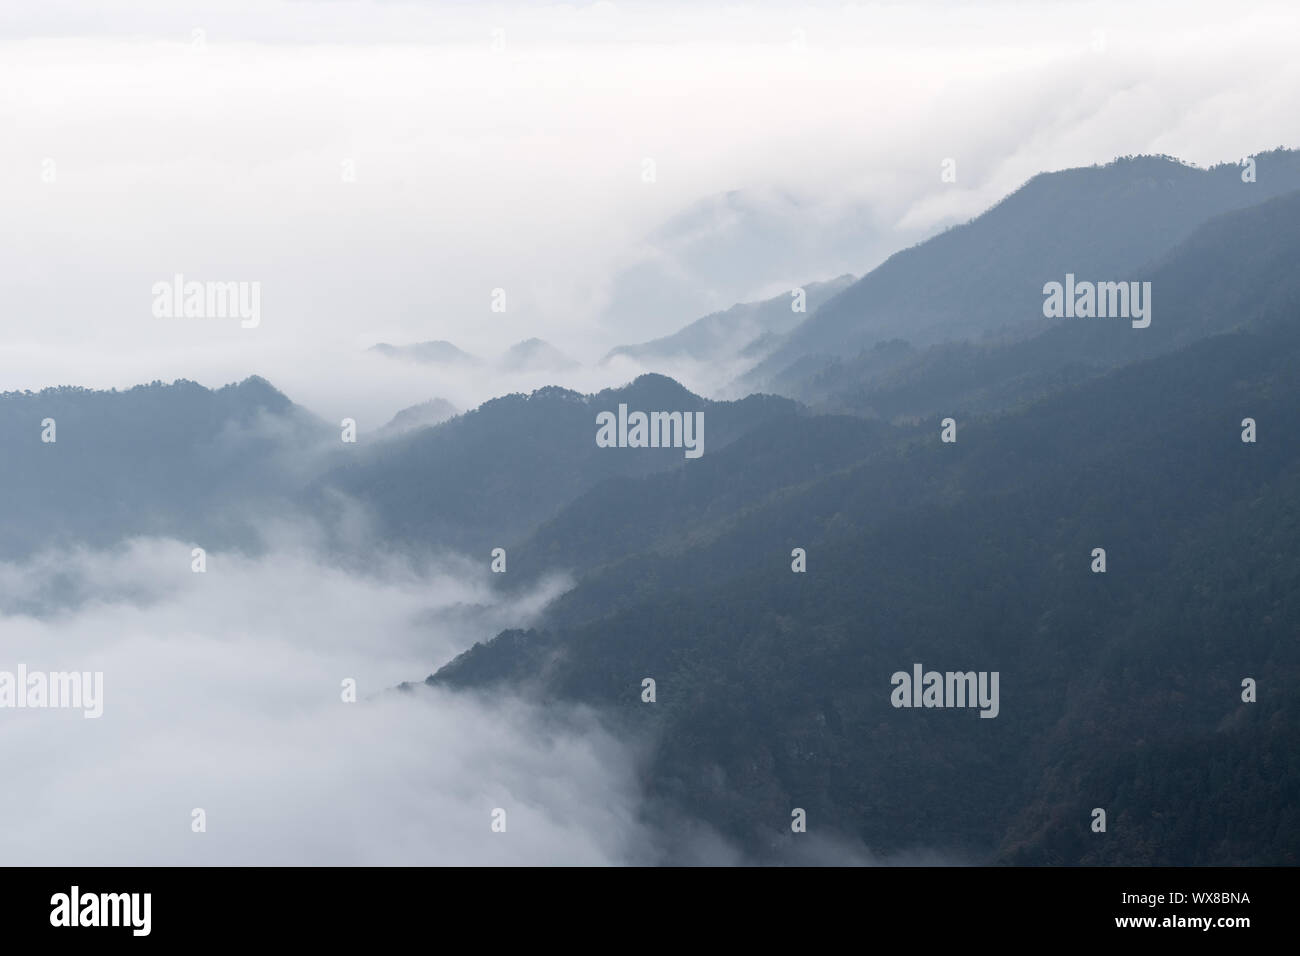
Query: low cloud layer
{"type": "Point", "coordinates": [222, 691]}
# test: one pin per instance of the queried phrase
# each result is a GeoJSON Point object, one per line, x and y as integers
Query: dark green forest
{"type": "Point", "coordinates": [1120, 690]}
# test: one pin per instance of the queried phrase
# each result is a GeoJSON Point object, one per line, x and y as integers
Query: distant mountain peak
{"type": "Point", "coordinates": [652, 390]}
{"type": "Point", "coordinates": [436, 352]}
{"type": "Point", "coordinates": [1123, 216]}
{"type": "Point", "coordinates": [424, 415]}
{"type": "Point", "coordinates": [535, 355]}
{"type": "Point", "coordinates": [253, 390]}
{"type": "Point", "coordinates": [744, 329]}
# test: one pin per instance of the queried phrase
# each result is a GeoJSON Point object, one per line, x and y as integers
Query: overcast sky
{"type": "Point", "coordinates": [504, 146]}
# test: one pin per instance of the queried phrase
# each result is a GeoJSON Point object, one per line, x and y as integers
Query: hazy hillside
{"type": "Point", "coordinates": [430, 353]}
{"type": "Point", "coordinates": [732, 247]}
{"type": "Point", "coordinates": [773, 687]}
{"type": "Point", "coordinates": [535, 355]}
{"type": "Point", "coordinates": [1100, 223]}
{"type": "Point", "coordinates": [1233, 270]}
{"type": "Point", "coordinates": [488, 477]}
{"type": "Point", "coordinates": [155, 459]}
{"type": "Point", "coordinates": [1121, 690]}
{"type": "Point", "coordinates": [433, 412]}
{"type": "Point", "coordinates": [720, 336]}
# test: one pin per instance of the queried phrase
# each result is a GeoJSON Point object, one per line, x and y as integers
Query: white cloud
{"type": "Point", "coordinates": [222, 691]}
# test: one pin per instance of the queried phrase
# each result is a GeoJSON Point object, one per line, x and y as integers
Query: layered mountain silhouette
{"type": "Point", "coordinates": [486, 478]}
{"type": "Point", "coordinates": [178, 459]}
{"type": "Point", "coordinates": [733, 246]}
{"type": "Point", "coordinates": [1110, 222]}
{"type": "Point", "coordinates": [1121, 690]}
{"type": "Point", "coordinates": [426, 414]}
{"type": "Point", "coordinates": [429, 353]}
{"type": "Point", "coordinates": [535, 355]}
{"type": "Point", "coordinates": [530, 355]}
{"type": "Point", "coordinates": [1228, 272]}
{"type": "Point", "coordinates": [748, 329]}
